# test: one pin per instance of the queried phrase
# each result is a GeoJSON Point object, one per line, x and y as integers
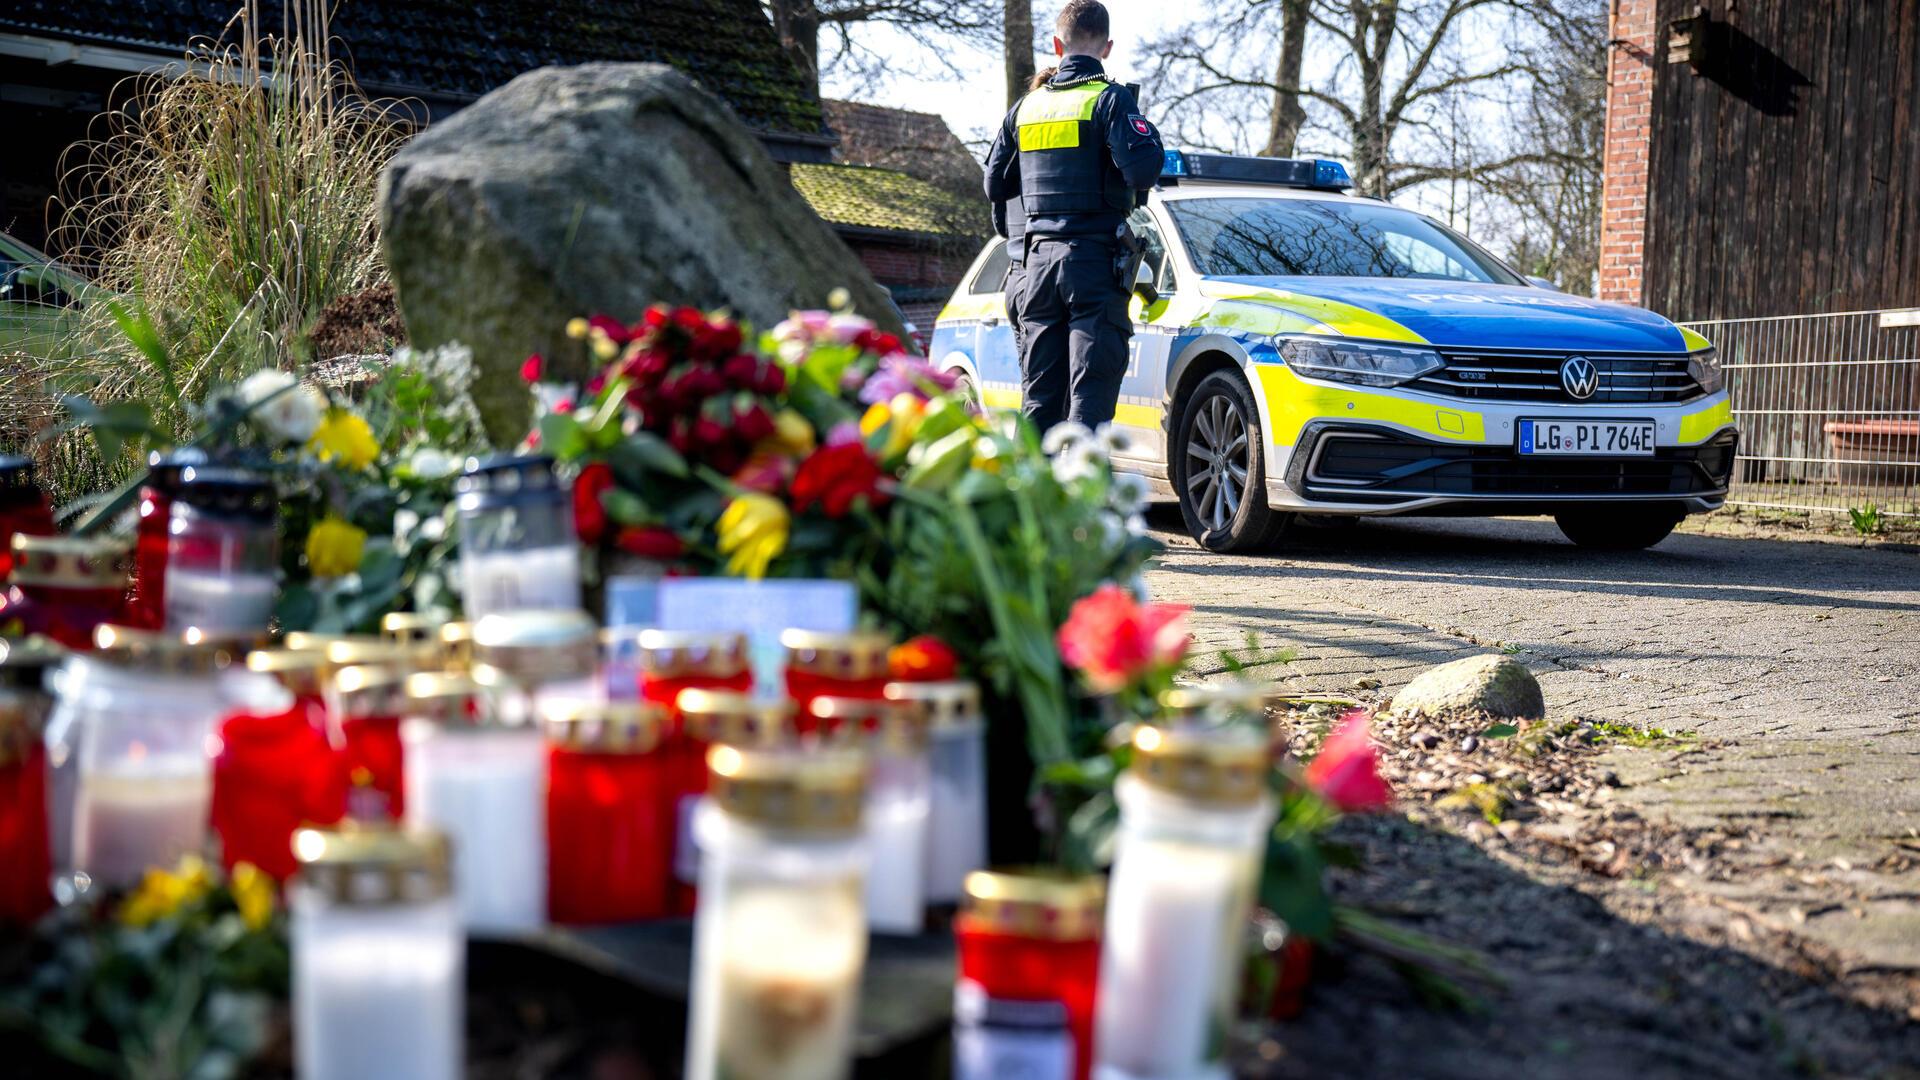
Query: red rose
{"type": "Point", "coordinates": [1113, 639]}
{"type": "Point", "coordinates": [650, 542]}
{"type": "Point", "coordinates": [589, 516]}
{"type": "Point", "coordinates": [833, 477]}
{"type": "Point", "coordinates": [922, 659]}
{"type": "Point", "coordinates": [753, 423]}
{"type": "Point", "coordinates": [771, 379]}
{"type": "Point", "coordinates": [877, 342]}
{"type": "Point", "coordinates": [530, 371]}
{"type": "Point", "coordinates": [655, 318]}
{"type": "Point", "coordinates": [740, 371]}
{"type": "Point", "coordinates": [1346, 771]}
{"type": "Point", "coordinates": [708, 432]}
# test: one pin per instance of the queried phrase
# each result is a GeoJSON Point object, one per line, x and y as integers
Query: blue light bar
{"type": "Point", "coordinates": [1317, 173]}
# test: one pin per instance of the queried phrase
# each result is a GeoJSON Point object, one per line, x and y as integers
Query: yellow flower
{"type": "Point", "coordinates": [345, 438]}
{"type": "Point", "coordinates": [753, 532]}
{"type": "Point", "coordinates": [577, 328]}
{"type": "Point", "coordinates": [875, 418]}
{"type": "Point", "coordinates": [334, 547]}
{"type": "Point", "coordinates": [792, 433]}
{"type": "Point", "coordinates": [162, 893]}
{"type": "Point", "coordinates": [252, 894]}
{"type": "Point", "coordinates": [901, 417]}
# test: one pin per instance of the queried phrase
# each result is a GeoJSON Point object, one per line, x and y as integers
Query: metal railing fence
{"type": "Point", "coordinates": [1828, 408]}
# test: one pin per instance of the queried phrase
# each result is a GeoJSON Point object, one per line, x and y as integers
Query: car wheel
{"type": "Point", "coordinates": [1618, 528]}
{"type": "Point", "coordinates": [1219, 471]}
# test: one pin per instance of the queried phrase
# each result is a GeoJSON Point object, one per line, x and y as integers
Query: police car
{"type": "Point", "coordinates": [1301, 351]}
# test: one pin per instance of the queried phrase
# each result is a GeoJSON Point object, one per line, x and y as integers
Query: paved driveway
{"type": "Point", "coordinates": [1799, 662]}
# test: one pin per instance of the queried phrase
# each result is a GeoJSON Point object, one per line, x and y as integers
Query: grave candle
{"type": "Point", "coordinates": [1193, 815]}
{"type": "Point", "coordinates": [23, 507]}
{"type": "Point", "coordinates": [710, 718]}
{"type": "Point", "coordinates": [378, 957]}
{"type": "Point", "coordinates": [1029, 948]}
{"type": "Point", "coordinates": [957, 755]}
{"type": "Point", "coordinates": [609, 847]}
{"type": "Point", "coordinates": [893, 736]}
{"type": "Point", "coordinates": [24, 705]}
{"type": "Point", "coordinates": [146, 602]}
{"type": "Point", "coordinates": [483, 784]}
{"type": "Point", "coordinates": [276, 770]}
{"type": "Point", "coordinates": [670, 663]}
{"type": "Point", "coordinates": [531, 659]}
{"type": "Point", "coordinates": [840, 665]}
{"type": "Point", "coordinates": [780, 937]}
{"type": "Point", "coordinates": [365, 704]}
{"type": "Point", "coordinates": [65, 587]}
{"type": "Point", "coordinates": [517, 546]}
{"type": "Point", "coordinates": [222, 554]}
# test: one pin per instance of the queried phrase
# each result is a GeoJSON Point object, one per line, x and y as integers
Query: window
{"type": "Point", "coordinates": [1148, 230]}
{"type": "Point", "coordinates": [1243, 237]}
{"type": "Point", "coordinates": [993, 272]}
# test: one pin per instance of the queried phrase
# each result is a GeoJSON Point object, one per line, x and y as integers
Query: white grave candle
{"type": "Point", "coordinates": [219, 602]}
{"type": "Point", "coordinates": [516, 580]}
{"type": "Point", "coordinates": [487, 791]}
{"type": "Point", "coordinates": [141, 814]}
{"type": "Point", "coordinates": [788, 981]}
{"type": "Point", "coordinates": [896, 828]}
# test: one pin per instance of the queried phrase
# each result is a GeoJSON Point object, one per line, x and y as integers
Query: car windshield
{"type": "Point", "coordinates": [1242, 237]}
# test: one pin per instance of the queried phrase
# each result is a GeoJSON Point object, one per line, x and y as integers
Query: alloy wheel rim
{"type": "Point", "coordinates": [1217, 461]}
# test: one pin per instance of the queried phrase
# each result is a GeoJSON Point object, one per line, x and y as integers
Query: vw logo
{"type": "Point", "coordinates": [1579, 377]}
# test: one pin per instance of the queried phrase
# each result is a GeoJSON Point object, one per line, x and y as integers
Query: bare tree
{"type": "Point", "coordinates": [934, 25]}
{"type": "Point", "coordinates": [1287, 116]}
{"type": "Point", "coordinates": [1389, 65]}
{"type": "Point", "coordinates": [1016, 40]}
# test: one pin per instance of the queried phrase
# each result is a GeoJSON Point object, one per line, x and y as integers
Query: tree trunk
{"type": "Point", "coordinates": [797, 24]}
{"type": "Point", "coordinates": [1017, 43]}
{"type": "Point", "coordinates": [1370, 136]}
{"type": "Point", "coordinates": [1283, 126]}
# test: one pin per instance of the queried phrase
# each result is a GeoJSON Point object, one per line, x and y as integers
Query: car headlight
{"type": "Point", "coordinates": [1367, 363]}
{"type": "Point", "coordinates": [1704, 366]}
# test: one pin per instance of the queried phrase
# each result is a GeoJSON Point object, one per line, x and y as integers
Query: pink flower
{"type": "Point", "coordinates": [1346, 771]}
{"type": "Point", "coordinates": [842, 433]}
{"type": "Point", "coordinates": [1113, 639]}
{"type": "Point", "coordinates": [903, 374]}
{"type": "Point", "coordinates": [530, 371]}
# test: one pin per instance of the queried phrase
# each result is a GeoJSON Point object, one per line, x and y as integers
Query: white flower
{"type": "Point", "coordinates": [405, 521]}
{"type": "Point", "coordinates": [1076, 462]}
{"type": "Point", "coordinates": [550, 396]}
{"type": "Point", "coordinates": [1129, 493]}
{"type": "Point", "coordinates": [280, 407]}
{"type": "Point", "coordinates": [430, 463]}
{"type": "Point", "coordinates": [1061, 436]}
{"type": "Point", "coordinates": [1113, 440]}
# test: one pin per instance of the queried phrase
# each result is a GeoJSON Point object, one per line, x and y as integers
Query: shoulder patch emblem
{"type": "Point", "coordinates": [1140, 124]}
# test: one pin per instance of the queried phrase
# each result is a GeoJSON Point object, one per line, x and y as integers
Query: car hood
{"type": "Point", "coordinates": [1469, 314]}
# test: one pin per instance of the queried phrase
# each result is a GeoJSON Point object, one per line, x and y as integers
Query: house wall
{"type": "Point", "coordinates": [1782, 177]}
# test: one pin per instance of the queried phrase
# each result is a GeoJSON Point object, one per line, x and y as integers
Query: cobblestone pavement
{"type": "Point", "coordinates": [1797, 663]}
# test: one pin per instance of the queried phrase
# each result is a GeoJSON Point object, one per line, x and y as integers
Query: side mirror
{"type": "Point", "coordinates": [1545, 283]}
{"type": "Point", "coordinates": [1143, 285]}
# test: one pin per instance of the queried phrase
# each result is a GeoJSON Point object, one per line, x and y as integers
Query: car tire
{"type": "Point", "coordinates": [1618, 528]}
{"type": "Point", "coordinates": [1217, 462]}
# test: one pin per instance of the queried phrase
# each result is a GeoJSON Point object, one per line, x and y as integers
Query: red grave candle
{"type": "Point", "coordinates": [277, 772]}
{"type": "Point", "coordinates": [708, 717]}
{"type": "Point", "coordinates": [25, 867]}
{"type": "Point", "coordinates": [672, 662]}
{"type": "Point", "coordinates": [365, 704]}
{"type": "Point", "coordinates": [609, 845]}
{"type": "Point", "coordinates": [23, 508]}
{"type": "Point", "coordinates": [835, 665]}
{"type": "Point", "coordinates": [64, 587]}
{"type": "Point", "coordinates": [1029, 949]}
{"type": "Point", "coordinates": [146, 602]}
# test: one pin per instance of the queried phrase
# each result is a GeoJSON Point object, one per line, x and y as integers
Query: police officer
{"type": "Point", "coordinates": [1010, 221]}
{"type": "Point", "coordinates": [1075, 153]}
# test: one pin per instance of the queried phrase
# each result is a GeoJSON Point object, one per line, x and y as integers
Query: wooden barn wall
{"type": "Point", "coordinates": [1784, 178]}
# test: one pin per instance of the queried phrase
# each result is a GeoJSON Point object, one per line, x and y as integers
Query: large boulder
{"type": "Point", "coordinates": [1497, 686]}
{"type": "Point", "coordinates": [602, 188]}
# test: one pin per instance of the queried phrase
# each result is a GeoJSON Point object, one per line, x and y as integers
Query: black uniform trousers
{"type": "Point", "coordinates": [1074, 329]}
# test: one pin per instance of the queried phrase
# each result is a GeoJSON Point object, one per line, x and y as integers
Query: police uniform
{"type": "Point", "coordinates": [1074, 153]}
{"type": "Point", "coordinates": [1010, 221]}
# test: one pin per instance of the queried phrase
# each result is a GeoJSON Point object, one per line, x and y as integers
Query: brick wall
{"type": "Point", "coordinates": [1623, 219]}
{"type": "Point", "coordinates": [891, 265]}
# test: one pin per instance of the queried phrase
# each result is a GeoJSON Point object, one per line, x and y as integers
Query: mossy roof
{"type": "Point", "coordinates": [873, 198]}
{"type": "Point", "coordinates": [464, 48]}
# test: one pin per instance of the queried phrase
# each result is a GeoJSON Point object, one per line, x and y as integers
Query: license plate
{"type": "Point", "coordinates": [1631, 438]}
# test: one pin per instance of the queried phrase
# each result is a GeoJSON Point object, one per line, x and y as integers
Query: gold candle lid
{"type": "Point", "coordinates": [674, 654]}
{"type": "Point", "coordinates": [532, 647]}
{"type": "Point", "coordinates": [72, 562]}
{"type": "Point", "coordinates": [363, 651]}
{"type": "Point", "coordinates": [884, 724]}
{"type": "Point", "coordinates": [456, 646]}
{"type": "Point", "coordinates": [190, 652]}
{"type": "Point", "coordinates": [1035, 904]}
{"type": "Point", "coordinates": [1220, 703]}
{"type": "Point", "coordinates": [950, 703]}
{"type": "Point", "coordinates": [723, 716]}
{"type": "Point", "coordinates": [411, 626]}
{"type": "Point", "coordinates": [1221, 766]}
{"type": "Point", "coordinates": [364, 690]}
{"type": "Point", "coordinates": [302, 671]}
{"type": "Point", "coordinates": [606, 727]}
{"type": "Point", "coordinates": [373, 865]}
{"type": "Point", "coordinates": [789, 788]}
{"type": "Point", "coordinates": [442, 696]}
{"type": "Point", "coordinates": [860, 655]}
{"type": "Point", "coordinates": [312, 641]}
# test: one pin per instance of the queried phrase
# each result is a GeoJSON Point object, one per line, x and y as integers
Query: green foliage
{"type": "Point", "coordinates": [1867, 520]}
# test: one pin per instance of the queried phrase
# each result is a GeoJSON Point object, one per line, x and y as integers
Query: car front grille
{"type": "Point", "coordinates": [1511, 375]}
{"type": "Point", "coordinates": [1365, 466]}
